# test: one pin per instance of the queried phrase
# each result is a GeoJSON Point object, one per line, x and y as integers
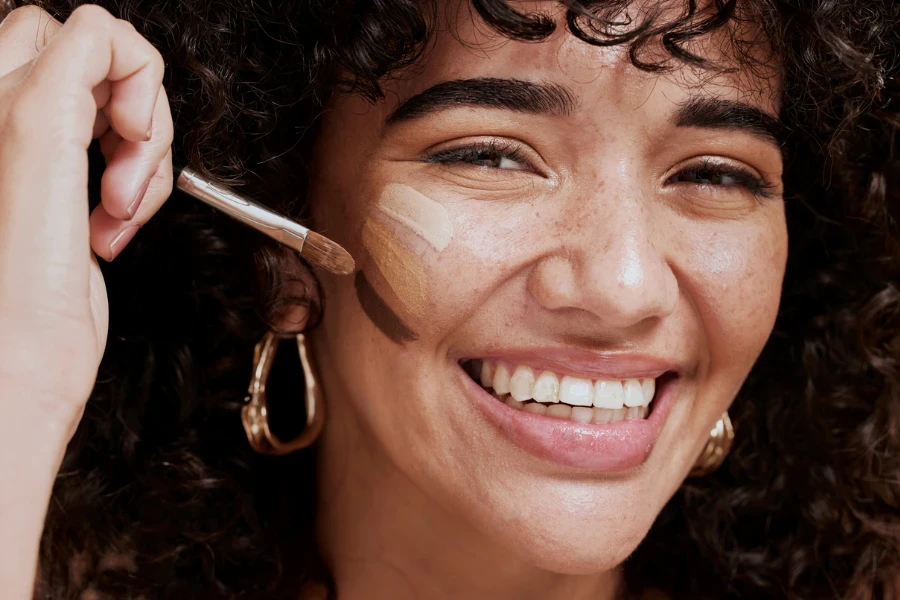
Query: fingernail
{"type": "Point", "coordinates": [121, 240]}
{"type": "Point", "coordinates": [136, 204]}
{"type": "Point", "coordinates": [149, 130]}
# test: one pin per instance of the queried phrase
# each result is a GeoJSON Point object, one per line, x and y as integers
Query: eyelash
{"type": "Point", "coordinates": [710, 169]}
{"type": "Point", "coordinates": [494, 150]}
{"type": "Point", "coordinates": [477, 152]}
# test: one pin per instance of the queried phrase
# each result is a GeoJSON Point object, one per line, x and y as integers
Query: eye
{"type": "Point", "coordinates": [709, 173]}
{"type": "Point", "coordinates": [493, 154]}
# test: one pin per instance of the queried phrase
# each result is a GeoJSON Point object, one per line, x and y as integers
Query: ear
{"type": "Point", "coordinates": [299, 304]}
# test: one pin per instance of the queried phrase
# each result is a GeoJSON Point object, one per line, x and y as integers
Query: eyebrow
{"type": "Point", "coordinates": [536, 98]}
{"type": "Point", "coordinates": [487, 92]}
{"type": "Point", "coordinates": [713, 113]}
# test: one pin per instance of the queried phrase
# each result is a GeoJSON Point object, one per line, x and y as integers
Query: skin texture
{"type": "Point", "coordinates": [592, 250]}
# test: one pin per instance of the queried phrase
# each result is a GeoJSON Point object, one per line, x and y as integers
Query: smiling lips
{"type": "Point", "coordinates": [602, 424]}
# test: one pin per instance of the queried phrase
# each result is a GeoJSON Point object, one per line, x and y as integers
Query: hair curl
{"type": "Point", "coordinates": [160, 496]}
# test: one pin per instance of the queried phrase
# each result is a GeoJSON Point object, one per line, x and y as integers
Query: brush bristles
{"type": "Point", "coordinates": [321, 251]}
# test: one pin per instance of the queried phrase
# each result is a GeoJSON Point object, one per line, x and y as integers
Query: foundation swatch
{"type": "Point", "coordinates": [401, 268]}
{"type": "Point", "coordinates": [422, 215]}
{"type": "Point", "coordinates": [380, 313]}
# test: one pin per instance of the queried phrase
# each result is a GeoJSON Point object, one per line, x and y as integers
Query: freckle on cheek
{"type": "Point", "coordinates": [401, 268]}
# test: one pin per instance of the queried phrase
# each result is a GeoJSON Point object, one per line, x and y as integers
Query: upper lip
{"type": "Point", "coordinates": [587, 363]}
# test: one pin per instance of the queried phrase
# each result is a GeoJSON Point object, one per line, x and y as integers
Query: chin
{"type": "Point", "coordinates": [577, 528]}
{"type": "Point", "coordinates": [577, 545]}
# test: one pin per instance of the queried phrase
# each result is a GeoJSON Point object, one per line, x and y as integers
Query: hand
{"type": "Point", "coordinates": [61, 86]}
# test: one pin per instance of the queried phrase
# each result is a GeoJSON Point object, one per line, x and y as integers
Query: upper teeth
{"type": "Point", "coordinates": [547, 387]}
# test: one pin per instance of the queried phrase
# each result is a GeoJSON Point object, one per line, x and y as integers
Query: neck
{"type": "Point", "coordinates": [384, 537]}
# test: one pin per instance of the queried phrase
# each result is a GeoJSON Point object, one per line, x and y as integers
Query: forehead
{"type": "Point", "coordinates": [466, 47]}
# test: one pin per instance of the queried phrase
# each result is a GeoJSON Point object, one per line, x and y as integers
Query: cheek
{"type": "Point", "coordinates": [491, 240]}
{"type": "Point", "coordinates": [434, 266]}
{"type": "Point", "coordinates": [733, 279]}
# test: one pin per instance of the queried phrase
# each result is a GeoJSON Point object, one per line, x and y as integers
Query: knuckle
{"type": "Point", "coordinates": [157, 64]}
{"type": "Point", "coordinates": [92, 16]}
{"type": "Point", "coordinates": [155, 61]}
{"type": "Point", "coordinates": [128, 25]}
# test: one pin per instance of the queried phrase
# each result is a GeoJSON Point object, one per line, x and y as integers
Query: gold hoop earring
{"type": "Point", "coordinates": [255, 414]}
{"type": "Point", "coordinates": [720, 439]}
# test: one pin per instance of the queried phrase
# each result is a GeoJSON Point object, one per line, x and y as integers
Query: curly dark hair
{"type": "Point", "coordinates": [160, 496]}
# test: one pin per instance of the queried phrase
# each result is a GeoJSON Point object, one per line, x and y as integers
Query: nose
{"type": "Point", "coordinates": [612, 265]}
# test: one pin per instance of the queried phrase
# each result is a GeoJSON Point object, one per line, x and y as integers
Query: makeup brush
{"type": "Point", "coordinates": [312, 246]}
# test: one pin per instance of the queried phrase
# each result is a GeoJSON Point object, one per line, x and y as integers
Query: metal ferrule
{"type": "Point", "coordinates": [262, 219]}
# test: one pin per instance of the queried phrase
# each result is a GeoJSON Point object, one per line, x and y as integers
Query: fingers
{"type": "Point", "coordinates": [23, 34]}
{"type": "Point", "coordinates": [130, 166]}
{"type": "Point", "coordinates": [110, 235]}
{"type": "Point", "coordinates": [106, 49]}
{"type": "Point", "coordinates": [48, 121]}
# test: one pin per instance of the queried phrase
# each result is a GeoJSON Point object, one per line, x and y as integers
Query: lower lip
{"type": "Point", "coordinates": [598, 448]}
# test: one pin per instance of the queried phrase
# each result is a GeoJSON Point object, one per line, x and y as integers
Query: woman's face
{"type": "Point", "coordinates": [601, 235]}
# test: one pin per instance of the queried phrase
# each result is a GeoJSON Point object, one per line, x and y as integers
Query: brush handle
{"type": "Point", "coordinates": [260, 218]}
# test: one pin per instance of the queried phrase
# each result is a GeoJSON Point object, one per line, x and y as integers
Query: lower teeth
{"type": "Point", "coordinates": [580, 414]}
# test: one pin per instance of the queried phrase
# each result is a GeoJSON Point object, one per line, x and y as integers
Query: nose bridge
{"type": "Point", "coordinates": [626, 249]}
{"type": "Point", "coordinates": [627, 278]}
{"type": "Point", "coordinates": [617, 266]}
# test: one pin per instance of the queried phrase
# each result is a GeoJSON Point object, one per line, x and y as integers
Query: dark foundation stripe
{"type": "Point", "coordinates": [381, 314]}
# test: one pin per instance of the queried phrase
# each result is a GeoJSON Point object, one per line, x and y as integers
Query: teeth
{"type": "Point", "coordinates": [520, 383]}
{"type": "Point", "coordinates": [487, 373]}
{"type": "Point", "coordinates": [648, 387]}
{"type": "Point", "coordinates": [510, 401]}
{"type": "Point", "coordinates": [609, 394]}
{"type": "Point", "coordinates": [601, 401]}
{"type": "Point", "coordinates": [634, 396]}
{"type": "Point", "coordinates": [575, 391]}
{"type": "Point", "coordinates": [582, 414]}
{"type": "Point", "coordinates": [501, 379]}
{"type": "Point", "coordinates": [579, 414]}
{"type": "Point", "coordinates": [602, 416]}
{"type": "Point", "coordinates": [546, 388]}
{"type": "Point", "coordinates": [560, 411]}
{"type": "Point", "coordinates": [534, 407]}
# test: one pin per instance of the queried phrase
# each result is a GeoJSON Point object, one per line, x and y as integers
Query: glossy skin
{"type": "Point", "coordinates": [587, 248]}
{"type": "Point", "coordinates": [586, 245]}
